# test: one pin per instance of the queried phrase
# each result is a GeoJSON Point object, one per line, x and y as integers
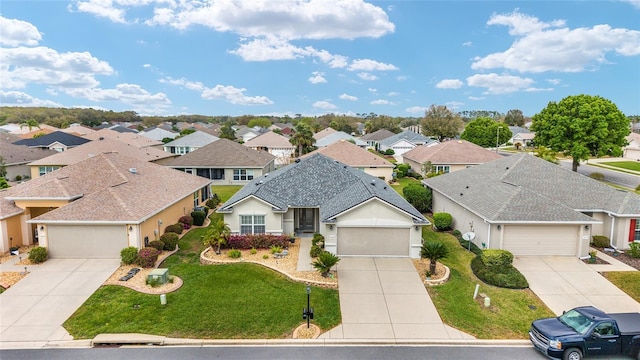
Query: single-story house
{"type": "Point", "coordinates": [373, 139]}
{"type": "Point", "coordinates": [324, 132]}
{"type": "Point", "coordinates": [57, 140]}
{"type": "Point", "coordinates": [17, 157]}
{"type": "Point", "coordinates": [358, 158]}
{"type": "Point", "coordinates": [188, 143]}
{"type": "Point", "coordinates": [131, 138]}
{"type": "Point", "coordinates": [446, 157]}
{"type": "Point", "coordinates": [524, 139]}
{"type": "Point", "coordinates": [405, 141]}
{"type": "Point", "coordinates": [159, 134]}
{"type": "Point", "coordinates": [336, 137]}
{"type": "Point", "coordinates": [98, 206]}
{"type": "Point", "coordinates": [78, 129]}
{"type": "Point", "coordinates": [275, 144]}
{"type": "Point", "coordinates": [225, 162]}
{"type": "Point", "coordinates": [529, 206]}
{"type": "Point", "coordinates": [358, 214]}
{"type": "Point", "coordinates": [245, 133]}
{"type": "Point", "coordinates": [92, 148]}
{"type": "Point", "coordinates": [285, 129]}
{"type": "Point", "coordinates": [632, 150]}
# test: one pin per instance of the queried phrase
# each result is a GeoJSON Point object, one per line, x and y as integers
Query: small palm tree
{"type": "Point", "coordinates": [31, 123]}
{"type": "Point", "coordinates": [434, 251]}
{"type": "Point", "coordinates": [325, 262]}
{"type": "Point", "coordinates": [216, 235]}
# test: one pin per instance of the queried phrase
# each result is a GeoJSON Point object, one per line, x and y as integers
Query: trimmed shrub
{"type": "Point", "coordinates": [389, 152]}
{"type": "Point", "coordinates": [175, 228]}
{"type": "Point", "coordinates": [234, 253]}
{"type": "Point", "coordinates": [457, 234]}
{"type": "Point", "coordinates": [38, 254]}
{"type": "Point", "coordinates": [442, 221]}
{"type": "Point", "coordinates": [129, 255]}
{"type": "Point", "coordinates": [634, 250]}
{"type": "Point", "coordinates": [600, 241]}
{"type": "Point", "coordinates": [597, 176]}
{"type": "Point", "coordinates": [157, 244]}
{"type": "Point", "coordinates": [317, 238]}
{"type": "Point", "coordinates": [188, 220]}
{"type": "Point", "coordinates": [213, 202]}
{"type": "Point", "coordinates": [170, 241]}
{"type": "Point", "coordinates": [147, 257]}
{"type": "Point", "coordinates": [500, 276]}
{"type": "Point", "coordinates": [418, 196]}
{"type": "Point", "coordinates": [315, 251]}
{"type": "Point", "coordinates": [402, 170]}
{"type": "Point", "coordinates": [496, 257]}
{"type": "Point", "coordinates": [257, 241]}
{"type": "Point", "coordinates": [198, 217]}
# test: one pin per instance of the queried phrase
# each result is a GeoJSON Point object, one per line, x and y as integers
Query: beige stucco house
{"type": "Point", "coordinates": [446, 157]}
{"type": "Point", "coordinates": [529, 206]}
{"type": "Point", "coordinates": [275, 144]}
{"type": "Point", "coordinates": [632, 150]}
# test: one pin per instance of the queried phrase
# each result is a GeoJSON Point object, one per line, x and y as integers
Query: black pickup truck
{"type": "Point", "coordinates": [587, 331]}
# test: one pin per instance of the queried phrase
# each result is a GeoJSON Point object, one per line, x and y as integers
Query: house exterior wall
{"type": "Point", "coordinates": [621, 233]}
{"type": "Point", "coordinates": [466, 221]}
{"type": "Point", "coordinates": [414, 165]}
{"type": "Point", "coordinates": [15, 170]}
{"type": "Point", "coordinates": [400, 147]}
{"type": "Point", "coordinates": [151, 227]}
{"type": "Point", "coordinates": [11, 233]}
{"type": "Point", "coordinates": [253, 206]}
{"type": "Point", "coordinates": [632, 153]}
{"type": "Point", "coordinates": [381, 172]}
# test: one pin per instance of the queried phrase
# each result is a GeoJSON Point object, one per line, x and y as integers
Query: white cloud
{"type": "Point", "coordinates": [334, 61]}
{"type": "Point", "coordinates": [370, 65]}
{"type": "Point", "coordinates": [234, 95]}
{"type": "Point", "coordinates": [317, 78]}
{"type": "Point", "coordinates": [476, 98]}
{"type": "Point", "coordinates": [393, 93]}
{"type": "Point", "coordinates": [325, 105]}
{"type": "Point", "coordinates": [552, 46]}
{"type": "Point", "coordinates": [554, 81]}
{"type": "Point", "coordinates": [635, 3]}
{"type": "Point", "coordinates": [191, 85]}
{"type": "Point", "coordinates": [139, 99]}
{"type": "Point", "coordinates": [499, 84]}
{"type": "Point", "coordinates": [402, 77]}
{"type": "Point", "coordinates": [373, 90]}
{"type": "Point", "coordinates": [18, 98]}
{"type": "Point", "coordinates": [533, 89]}
{"type": "Point", "coordinates": [269, 48]}
{"type": "Point", "coordinates": [348, 97]}
{"type": "Point", "coordinates": [381, 102]}
{"type": "Point", "coordinates": [454, 104]}
{"type": "Point", "coordinates": [17, 32]}
{"type": "Point", "coordinates": [467, 43]}
{"type": "Point", "coordinates": [101, 8]}
{"type": "Point", "coordinates": [449, 84]}
{"type": "Point", "coordinates": [367, 76]}
{"type": "Point", "coordinates": [146, 65]}
{"type": "Point", "coordinates": [416, 109]}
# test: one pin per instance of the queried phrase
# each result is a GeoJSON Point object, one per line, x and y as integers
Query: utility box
{"type": "Point", "coordinates": [160, 276]}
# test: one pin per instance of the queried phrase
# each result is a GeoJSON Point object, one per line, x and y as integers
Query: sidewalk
{"type": "Point", "coordinates": [614, 265]}
{"type": "Point", "coordinates": [599, 162]}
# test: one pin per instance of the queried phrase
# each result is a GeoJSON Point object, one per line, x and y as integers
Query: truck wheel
{"type": "Point", "coordinates": [572, 354]}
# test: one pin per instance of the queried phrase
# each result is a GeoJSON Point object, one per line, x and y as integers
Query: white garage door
{"type": "Point", "coordinates": [373, 241]}
{"type": "Point", "coordinates": [541, 240]}
{"type": "Point", "coordinates": [90, 242]}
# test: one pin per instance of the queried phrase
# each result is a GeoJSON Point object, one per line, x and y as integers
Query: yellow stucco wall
{"type": "Point", "coordinates": [169, 216]}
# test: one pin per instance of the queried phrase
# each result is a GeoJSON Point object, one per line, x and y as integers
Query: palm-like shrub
{"type": "Point", "coordinates": [216, 235]}
{"type": "Point", "coordinates": [325, 262]}
{"type": "Point", "coordinates": [434, 251]}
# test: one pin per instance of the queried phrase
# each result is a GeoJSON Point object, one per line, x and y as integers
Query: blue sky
{"type": "Point", "coordinates": [280, 57]}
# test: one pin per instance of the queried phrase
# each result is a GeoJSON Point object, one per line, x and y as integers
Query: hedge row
{"type": "Point", "coordinates": [257, 241]}
{"type": "Point", "coordinates": [501, 276]}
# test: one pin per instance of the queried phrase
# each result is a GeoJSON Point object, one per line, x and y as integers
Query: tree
{"type": "Point", "coordinates": [216, 235]}
{"type": "Point", "coordinates": [261, 122]}
{"type": "Point", "coordinates": [546, 154]}
{"type": "Point", "coordinates": [434, 251]}
{"type": "Point", "coordinates": [581, 126]}
{"type": "Point", "coordinates": [227, 132]}
{"type": "Point", "coordinates": [441, 123]}
{"type": "Point", "coordinates": [3, 168]}
{"type": "Point", "coordinates": [486, 132]}
{"type": "Point", "coordinates": [30, 123]}
{"type": "Point", "coordinates": [514, 118]}
{"type": "Point", "coordinates": [342, 124]}
{"type": "Point", "coordinates": [3, 183]}
{"type": "Point", "coordinates": [418, 196]}
{"type": "Point", "coordinates": [302, 138]}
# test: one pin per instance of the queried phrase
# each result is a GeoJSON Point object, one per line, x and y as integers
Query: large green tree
{"type": "Point", "coordinates": [262, 122]}
{"type": "Point", "coordinates": [486, 132]}
{"type": "Point", "coordinates": [227, 132]}
{"type": "Point", "coordinates": [3, 168]}
{"type": "Point", "coordinates": [302, 138]}
{"type": "Point", "coordinates": [441, 123]}
{"type": "Point", "coordinates": [514, 117]}
{"type": "Point", "coordinates": [581, 126]}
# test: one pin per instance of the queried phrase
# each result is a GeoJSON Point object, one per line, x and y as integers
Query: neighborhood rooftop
{"type": "Point", "coordinates": [451, 152]}
{"type": "Point", "coordinates": [223, 152]}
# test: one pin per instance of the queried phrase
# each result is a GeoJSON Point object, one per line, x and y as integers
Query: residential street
{"type": "Point", "coordinates": [615, 177]}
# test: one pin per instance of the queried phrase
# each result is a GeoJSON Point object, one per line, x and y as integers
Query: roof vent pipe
{"type": "Point", "coordinates": [133, 170]}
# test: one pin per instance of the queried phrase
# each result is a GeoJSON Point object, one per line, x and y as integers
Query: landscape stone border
{"type": "Point", "coordinates": [442, 280]}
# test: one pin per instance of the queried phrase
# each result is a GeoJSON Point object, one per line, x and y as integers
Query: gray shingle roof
{"type": "Point", "coordinates": [407, 135]}
{"type": "Point", "coordinates": [56, 136]}
{"type": "Point", "coordinates": [223, 153]}
{"type": "Point", "coordinates": [337, 136]}
{"type": "Point", "coordinates": [319, 181]}
{"type": "Point", "coordinates": [195, 139]}
{"type": "Point", "coordinates": [524, 188]}
{"type": "Point", "coordinates": [377, 135]}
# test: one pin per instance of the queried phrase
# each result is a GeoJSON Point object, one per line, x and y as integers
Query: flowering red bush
{"type": "Point", "coordinates": [147, 257]}
{"type": "Point", "coordinates": [186, 220]}
{"type": "Point", "coordinates": [257, 241]}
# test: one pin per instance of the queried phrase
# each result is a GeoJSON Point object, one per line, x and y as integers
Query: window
{"type": "Point", "coordinates": [242, 174]}
{"type": "Point", "coordinates": [217, 174]}
{"type": "Point", "coordinates": [252, 224]}
{"type": "Point", "coordinates": [634, 231]}
{"type": "Point", "coordinates": [444, 169]}
{"type": "Point", "coordinates": [182, 150]}
{"type": "Point", "coordinates": [42, 170]}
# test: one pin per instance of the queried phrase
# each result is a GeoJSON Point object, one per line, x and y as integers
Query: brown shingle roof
{"type": "Point", "coordinates": [451, 152]}
{"type": "Point", "coordinates": [20, 154]}
{"type": "Point", "coordinates": [377, 135]}
{"type": "Point", "coordinates": [223, 153]}
{"type": "Point", "coordinates": [127, 137]}
{"type": "Point", "coordinates": [320, 134]}
{"type": "Point", "coordinates": [107, 191]}
{"type": "Point", "coordinates": [269, 140]}
{"type": "Point", "coordinates": [351, 154]}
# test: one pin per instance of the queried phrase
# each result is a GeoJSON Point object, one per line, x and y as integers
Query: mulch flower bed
{"type": "Point", "coordinates": [622, 257]}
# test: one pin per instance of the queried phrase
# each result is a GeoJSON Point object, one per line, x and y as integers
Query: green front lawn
{"type": "Point", "coordinates": [628, 165]}
{"type": "Point", "coordinates": [508, 317]}
{"type": "Point", "coordinates": [402, 182]}
{"type": "Point", "coordinates": [627, 281]}
{"type": "Point", "coordinates": [225, 191]}
{"type": "Point", "coordinates": [215, 302]}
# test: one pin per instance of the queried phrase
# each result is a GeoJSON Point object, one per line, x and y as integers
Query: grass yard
{"type": "Point", "coordinates": [402, 182]}
{"type": "Point", "coordinates": [627, 281]}
{"type": "Point", "coordinates": [225, 191]}
{"type": "Point", "coordinates": [508, 317]}
{"type": "Point", "coordinates": [216, 302]}
{"type": "Point", "coordinates": [628, 165]}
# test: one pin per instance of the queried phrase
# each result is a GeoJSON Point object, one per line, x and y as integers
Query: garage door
{"type": "Point", "coordinates": [541, 240]}
{"type": "Point", "coordinates": [90, 242]}
{"type": "Point", "coordinates": [373, 241]}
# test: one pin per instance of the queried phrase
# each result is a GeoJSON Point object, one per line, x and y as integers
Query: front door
{"type": "Point", "coordinates": [307, 220]}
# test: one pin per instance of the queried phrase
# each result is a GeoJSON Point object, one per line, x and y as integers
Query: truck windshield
{"type": "Point", "coordinates": [576, 321]}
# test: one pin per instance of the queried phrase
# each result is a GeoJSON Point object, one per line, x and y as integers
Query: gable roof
{"type": "Point", "coordinates": [134, 139]}
{"type": "Point", "coordinates": [408, 135]}
{"type": "Point", "coordinates": [105, 145]}
{"type": "Point", "coordinates": [451, 152]}
{"type": "Point", "coordinates": [322, 133]}
{"type": "Point", "coordinates": [319, 181]}
{"type": "Point", "coordinates": [110, 192]}
{"type": "Point", "coordinates": [223, 153]}
{"type": "Point", "coordinates": [13, 154]}
{"type": "Point", "coordinates": [517, 130]}
{"type": "Point", "coordinates": [351, 154]}
{"type": "Point", "coordinates": [195, 139]}
{"type": "Point", "coordinates": [158, 134]}
{"type": "Point", "coordinates": [377, 135]}
{"type": "Point", "coordinates": [51, 138]}
{"type": "Point", "coordinates": [337, 136]}
{"type": "Point", "coordinates": [269, 140]}
{"type": "Point", "coordinates": [77, 129]}
{"type": "Point", "coordinates": [524, 188]}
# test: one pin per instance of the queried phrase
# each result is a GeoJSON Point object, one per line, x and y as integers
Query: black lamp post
{"type": "Point", "coordinates": [307, 313]}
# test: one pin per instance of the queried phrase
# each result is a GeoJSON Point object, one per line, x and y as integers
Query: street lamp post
{"type": "Point", "coordinates": [497, 138]}
{"type": "Point", "coordinates": [307, 313]}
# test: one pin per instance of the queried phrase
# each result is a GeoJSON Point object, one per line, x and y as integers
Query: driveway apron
{"type": "Point", "coordinates": [563, 283]}
{"type": "Point", "coordinates": [384, 298]}
{"type": "Point", "coordinates": [34, 309]}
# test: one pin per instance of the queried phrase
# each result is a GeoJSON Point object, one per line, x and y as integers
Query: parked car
{"type": "Point", "coordinates": [587, 331]}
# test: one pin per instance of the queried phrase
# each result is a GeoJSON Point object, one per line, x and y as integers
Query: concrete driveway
{"type": "Point", "coordinates": [34, 309]}
{"type": "Point", "coordinates": [563, 283]}
{"type": "Point", "coordinates": [384, 298]}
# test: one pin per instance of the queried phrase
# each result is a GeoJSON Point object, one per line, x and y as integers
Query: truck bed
{"type": "Point", "coordinates": [628, 323]}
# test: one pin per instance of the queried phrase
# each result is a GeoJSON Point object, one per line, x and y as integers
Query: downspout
{"type": "Point", "coordinates": [488, 234]}
{"type": "Point", "coordinates": [613, 222]}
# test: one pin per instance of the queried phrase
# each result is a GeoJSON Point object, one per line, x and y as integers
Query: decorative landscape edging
{"type": "Point", "coordinates": [208, 261]}
{"type": "Point", "coordinates": [440, 281]}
